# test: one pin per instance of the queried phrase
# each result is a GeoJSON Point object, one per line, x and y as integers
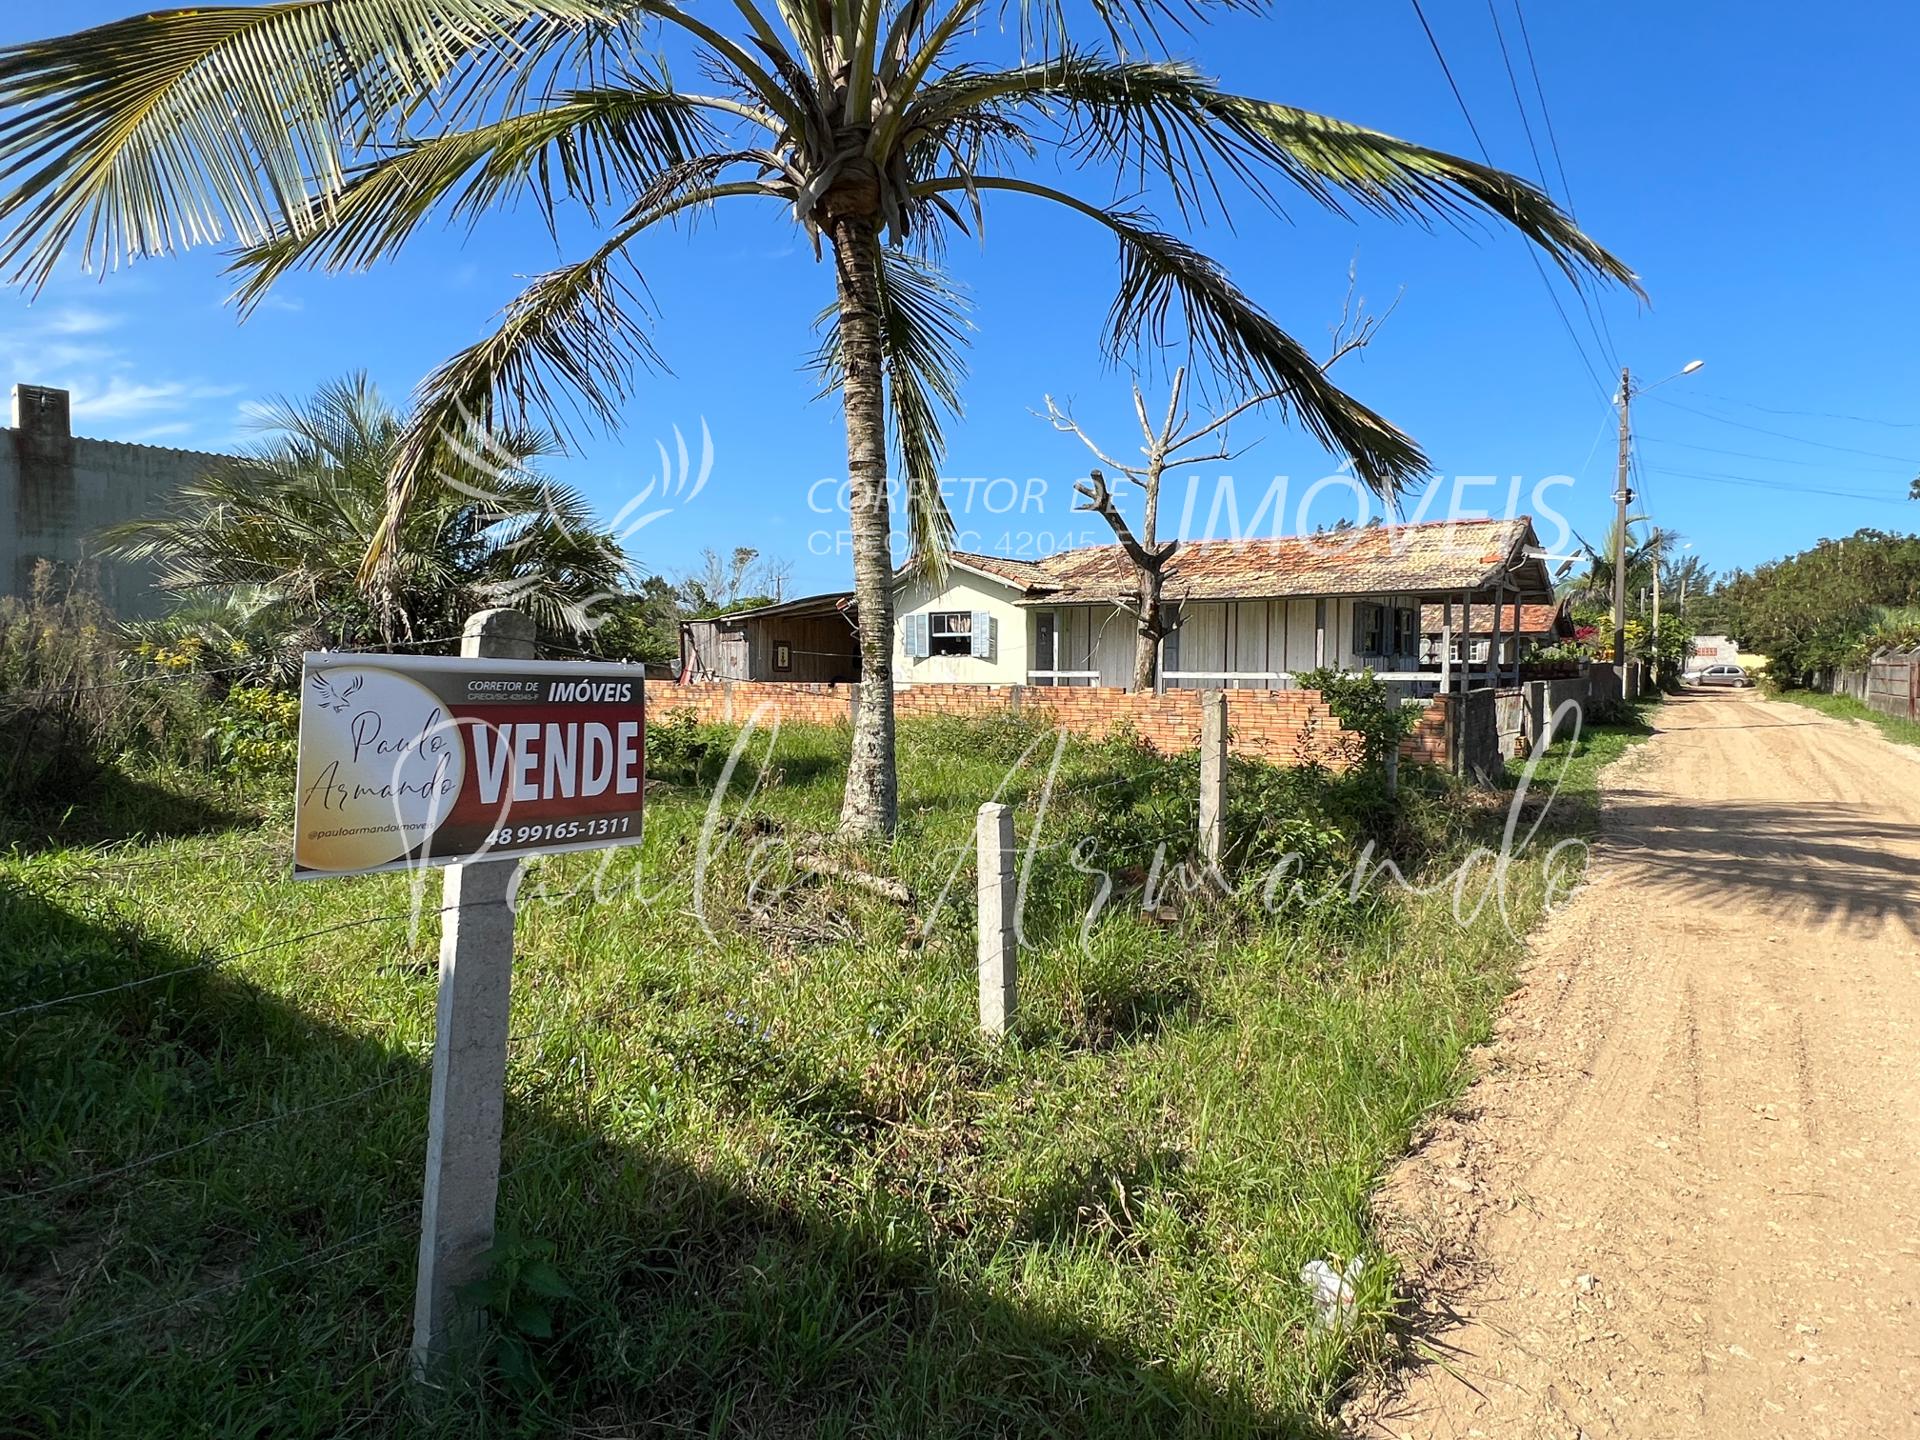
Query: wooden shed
{"type": "Point", "coordinates": [809, 639]}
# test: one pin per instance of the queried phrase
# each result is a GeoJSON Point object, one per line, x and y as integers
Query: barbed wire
{"type": "Point", "coordinates": [352, 1244]}
{"type": "Point", "coordinates": [159, 677]}
{"type": "Point", "coordinates": [218, 960]}
{"type": "Point", "coordinates": [100, 1177]}
{"type": "Point", "coordinates": [348, 1246]}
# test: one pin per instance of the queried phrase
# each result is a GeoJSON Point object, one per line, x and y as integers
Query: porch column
{"type": "Point", "coordinates": [1493, 651]}
{"type": "Point", "coordinates": [1446, 646]}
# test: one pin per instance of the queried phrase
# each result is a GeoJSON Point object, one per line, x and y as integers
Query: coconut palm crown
{"type": "Point", "coordinates": [325, 133]}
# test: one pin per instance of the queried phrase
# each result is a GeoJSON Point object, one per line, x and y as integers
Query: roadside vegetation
{"type": "Point", "coordinates": [1826, 608]}
{"type": "Point", "coordinates": [763, 1174]}
{"type": "Point", "coordinates": [1845, 707]}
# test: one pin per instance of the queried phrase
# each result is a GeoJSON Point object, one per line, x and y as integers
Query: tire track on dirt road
{"type": "Point", "coordinates": [1683, 1197]}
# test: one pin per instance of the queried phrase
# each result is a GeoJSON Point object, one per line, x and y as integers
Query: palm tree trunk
{"type": "Point", "coordinates": [871, 804]}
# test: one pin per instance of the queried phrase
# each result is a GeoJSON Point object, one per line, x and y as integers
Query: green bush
{"type": "Point", "coordinates": [74, 700]}
{"type": "Point", "coordinates": [1362, 702]}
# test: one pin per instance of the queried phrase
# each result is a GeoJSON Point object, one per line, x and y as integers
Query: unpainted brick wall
{"type": "Point", "coordinates": [1287, 727]}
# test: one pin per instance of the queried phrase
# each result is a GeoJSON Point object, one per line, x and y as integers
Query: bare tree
{"type": "Point", "coordinates": [1169, 447]}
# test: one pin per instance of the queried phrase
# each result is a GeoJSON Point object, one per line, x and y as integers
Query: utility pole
{"type": "Point", "coordinates": [1622, 497]}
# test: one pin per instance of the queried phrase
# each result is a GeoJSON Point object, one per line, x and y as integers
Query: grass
{"type": "Point", "coordinates": [1845, 707]}
{"type": "Point", "coordinates": [783, 1186]}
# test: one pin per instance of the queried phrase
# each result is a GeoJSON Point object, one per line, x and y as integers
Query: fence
{"type": "Point", "coordinates": [1288, 726]}
{"type": "Point", "coordinates": [1890, 683]}
{"type": "Point", "coordinates": [1285, 727]}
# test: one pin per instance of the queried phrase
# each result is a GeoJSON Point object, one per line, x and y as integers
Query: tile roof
{"type": "Point", "coordinates": [1534, 619]}
{"type": "Point", "coordinates": [1022, 573]}
{"type": "Point", "coordinates": [1436, 557]}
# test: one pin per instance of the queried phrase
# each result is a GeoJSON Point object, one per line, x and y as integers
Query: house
{"type": "Point", "coordinates": [812, 638]}
{"type": "Point", "coordinates": [1246, 614]}
{"type": "Point", "coordinates": [1534, 627]}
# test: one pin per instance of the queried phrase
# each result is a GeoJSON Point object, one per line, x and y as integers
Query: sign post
{"type": "Point", "coordinates": [473, 763]}
{"type": "Point", "coordinates": [469, 1063]}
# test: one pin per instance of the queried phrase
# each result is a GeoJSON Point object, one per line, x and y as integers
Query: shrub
{"type": "Point", "coordinates": [1362, 702]}
{"type": "Point", "coordinates": [73, 699]}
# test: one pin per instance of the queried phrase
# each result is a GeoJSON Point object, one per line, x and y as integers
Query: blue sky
{"type": "Point", "coordinates": [1743, 158]}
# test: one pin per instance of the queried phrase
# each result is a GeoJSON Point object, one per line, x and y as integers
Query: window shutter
{"type": "Point", "coordinates": [917, 636]}
{"type": "Point", "coordinates": [982, 636]}
{"type": "Point", "coordinates": [1359, 628]}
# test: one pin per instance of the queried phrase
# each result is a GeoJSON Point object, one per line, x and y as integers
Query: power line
{"type": "Point", "coordinates": [1783, 434]}
{"type": "Point", "coordinates": [1540, 169]}
{"type": "Point", "coordinates": [1743, 454]}
{"type": "Point", "coordinates": [1810, 414]}
{"type": "Point", "coordinates": [1721, 477]}
{"type": "Point", "coordinates": [1566, 324]}
{"type": "Point", "coordinates": [1546, 114]}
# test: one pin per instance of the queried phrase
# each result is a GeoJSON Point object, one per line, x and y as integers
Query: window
{"type": "Point", "coordinates": [1369, 628]}
{"type": "Point", "coordinates": [1043, 647]}
{"type": "Point", "coordinates": [950, 632]}
{"type": "Point", "coordinates": [782, 655]}
{"type": "Point", "coordinates": [1406, 632]}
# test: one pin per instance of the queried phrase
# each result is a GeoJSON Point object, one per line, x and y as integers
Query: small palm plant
{"type": "Point", "coordinates": [270, 543]}
{"type": "Point", "coordinates": [327, 132]}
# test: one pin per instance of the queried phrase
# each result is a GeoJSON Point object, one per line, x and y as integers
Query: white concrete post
{"type": "Point", "coordinates": [999, 895]}
{"type": "Point", "coordinates": [469, 1062]}
{"type": "Point", "coordinates": [1213, 775]}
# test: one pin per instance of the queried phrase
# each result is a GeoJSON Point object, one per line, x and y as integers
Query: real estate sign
{"type": "Point", "coordinates": [427, 760]}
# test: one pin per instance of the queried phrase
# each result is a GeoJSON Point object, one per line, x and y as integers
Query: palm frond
{"type": "Point", "coordinates": [1333, 160]}
{"type": "Point", "coordinates": [288, 526]}
{"type": "Point", "coordinates": [1171, 293]}
{"type": "Point", "coordinates": [184, 127]}
{"type": "Point", "coordinates": [570, 335]}
{"type": "Point", "coordinates": [586, 146]}
{"type": "Point", "coordinates": [924, 329]}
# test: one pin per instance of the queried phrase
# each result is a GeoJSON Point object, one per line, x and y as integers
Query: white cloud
{"type": "Point", "coordinates": [120, 398]}
{"type": "Point", "coordinates": [155, 433]}
{"type": "Point", "coordinates": [80, 320]}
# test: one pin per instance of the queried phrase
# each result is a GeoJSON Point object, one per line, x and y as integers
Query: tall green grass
{"type": "Point", "coordinates": [786, 1186]}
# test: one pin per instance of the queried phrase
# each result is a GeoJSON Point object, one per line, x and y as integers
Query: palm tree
{"type": "Point", "coordinates": [325, 132]}
{"type": "Point", "coordinates": [271, 542]}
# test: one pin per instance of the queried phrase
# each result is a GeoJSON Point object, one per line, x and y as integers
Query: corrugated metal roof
{"type": "Point", "coordinates": [824, 604]}
{"type": "Point", "coordinates": [1437, 557]}
{"type": "Point", "coordinates": [1534, 619]}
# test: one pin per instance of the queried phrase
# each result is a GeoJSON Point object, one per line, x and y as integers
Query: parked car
{"type": "Point", "coordinates": [1731, 675]}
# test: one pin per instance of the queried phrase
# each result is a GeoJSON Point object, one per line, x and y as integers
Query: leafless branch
{"type": "Point", "coordinates": [1100, 501]}
{"type": "Point", "coordinates": [1062, 420]}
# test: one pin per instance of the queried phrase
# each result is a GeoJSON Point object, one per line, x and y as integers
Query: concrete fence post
{"type": "Point", "coordinates": [999, 894]}
{"type": "Point", "coordinates": [1213, 775]}
{"type": "Point", "coordinates": [469, 1063]}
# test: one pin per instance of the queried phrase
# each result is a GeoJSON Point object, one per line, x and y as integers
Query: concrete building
{"type": "Point", "coordinates": [59, 490]}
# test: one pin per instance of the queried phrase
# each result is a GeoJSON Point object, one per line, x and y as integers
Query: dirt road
{"type": "Point", "coordinates": [1684, 1199]}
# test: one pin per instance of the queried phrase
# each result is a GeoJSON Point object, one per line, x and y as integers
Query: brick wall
{"type": "Point", "coordinates": [734, 701]}
{"type": "Point", "coordinates": [1427, 745]}
{"type": "Point", "coordinates": [1287, 727]}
